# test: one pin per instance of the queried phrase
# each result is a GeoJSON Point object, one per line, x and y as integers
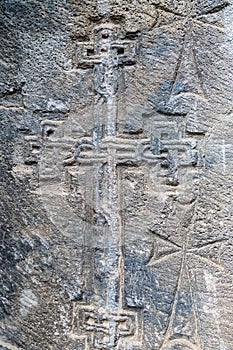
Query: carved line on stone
{"type": "Point", "coordinates": [154, 259]}
{"type": "Point", "coordinates": [184, 267]}
{"type": "Point", "coordinates": [189, 16]}
{"type": "Point", "coordinates": [209, 261]}
{"type": "Point", "coordinates": [190, 251]}
{"type": "Point", "coordinates": [170, 331]}
{"type": "Point", "coordinates": [195, 311]}
{"type": "Point", "coordinates": [209, 25]}
{"type": "Point", "coordinates": [189, 21]}
{"type": "Point", "coordinates": [194, 56]}
{"type": "Point", "coordinates": [188, 46]}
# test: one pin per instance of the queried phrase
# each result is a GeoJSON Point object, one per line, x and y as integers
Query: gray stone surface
{"type": "Point", "coordinates": [116, 175]}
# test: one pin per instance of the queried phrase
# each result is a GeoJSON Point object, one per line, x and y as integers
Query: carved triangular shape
{"type": "Point", "coordinates": [187, 78]}
{"type": "Point", "coordinates": [162, 249]}
{"type": "Point", "coordinates": [210, 253]}
{"type": "Point", "coordinates": [182, 327]}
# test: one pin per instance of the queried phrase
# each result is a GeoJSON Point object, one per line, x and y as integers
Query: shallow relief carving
{"type": "Point", "coordinates": [183, 100]}
{"type": "Point", "coordinates": [130, 196]}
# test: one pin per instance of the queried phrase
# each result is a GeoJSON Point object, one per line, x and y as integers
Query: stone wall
{"type": "Point", "coordinates": [116, 174]}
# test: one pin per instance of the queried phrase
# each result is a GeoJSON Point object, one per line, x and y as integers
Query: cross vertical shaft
{"type": "Point", "coordinates": [107, 55]}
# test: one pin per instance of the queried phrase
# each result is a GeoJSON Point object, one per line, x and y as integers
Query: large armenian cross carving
{"type": "Point", "coordinates": [129, 196]}
{"type": "Point", "coordinates": [85, 184]}
{"type": "Point", "coordinates": [91, 170]}
{"type": "Point", "coordinates": [104, 153]}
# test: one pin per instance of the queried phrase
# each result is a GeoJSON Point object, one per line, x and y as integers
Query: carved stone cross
{"type": "Point", "coordinates": [105, 47]}
{"type": "Point", "coordinates": [107, 53]}
{"type": "Point", "coordinates": [102, 155]}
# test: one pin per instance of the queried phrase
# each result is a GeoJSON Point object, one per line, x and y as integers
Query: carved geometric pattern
{"type": "Point", "coordinates": [104, 43]}
{"type": "Point", "coordinates": [103, 328]}
{"type": "Point", "coordinates": [169, 147]}
{"type": "Point", "coordinates": [170, 248]}
{"type": "Point", "coordinates": [170, 151]}
{"type": "Point", "coordinates": [31, 149]}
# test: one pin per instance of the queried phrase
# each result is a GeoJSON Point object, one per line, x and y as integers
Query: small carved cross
{"type": "Point", "coordinates": [106, 53]}
{"type": "Point", "coordinates": [105, 45]}
{"type": "Point", "coordinates": [104, 328]}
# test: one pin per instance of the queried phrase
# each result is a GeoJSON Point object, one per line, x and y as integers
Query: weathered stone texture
{"type": "Point", "coordinates": [116, 175]}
